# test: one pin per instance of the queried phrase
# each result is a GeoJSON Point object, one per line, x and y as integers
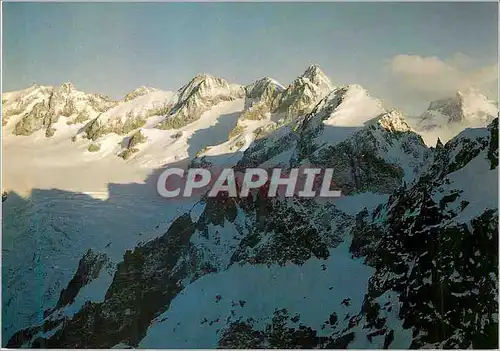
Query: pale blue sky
{"type": "Point", "coordinates": [112, 48]}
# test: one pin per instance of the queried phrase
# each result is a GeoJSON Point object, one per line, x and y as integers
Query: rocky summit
{"type": "Point", "coordinates": [406, 258]}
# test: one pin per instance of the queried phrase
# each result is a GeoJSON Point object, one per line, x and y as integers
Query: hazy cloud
{"type": "Point", "coordinates": [433, 76]}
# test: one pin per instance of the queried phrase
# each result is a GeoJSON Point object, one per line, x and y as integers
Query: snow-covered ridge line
{"type": "Point", "coordinates": [266, 101]}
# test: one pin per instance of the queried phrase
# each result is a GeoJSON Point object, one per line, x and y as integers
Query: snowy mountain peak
{"type": "Point", "coordinates": [468, 107]}
{"type": "Point", "coordinates": [262, 83]}
{"type": "Point", "coordinates": [141, 91]}
{"type": "Point", "coordinates": [313, 71]}
{"type": "Point", "coordinates": [198, 96]}
{"type": "Point", "coordinates": [394, 121]}
{"type": "Point", "coordinates": [64, 89]}
{"type": "Point", "coordinates": [317, 77]}
{"type": "Point", "coordinates": [39, 107]}
{"type": "Point", "coordinates": [301, 96]}
{"type": "Point", "coordinates": [207, 86]}
{"type": "Point", "coordinates": [67, 86]}
{"type": "Point", "coordinates": [202, 76]}
{"type": "Point", "coordinates": [476, 105]}
{"type": "Point", "coordinates": [263, 88]}
{"type": "Point", "coordinates": [187, 89]}
{"type": "Point", "coordinates": [34, 89]}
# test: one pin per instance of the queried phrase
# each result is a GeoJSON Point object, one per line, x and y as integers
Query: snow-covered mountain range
{"type": "Point", "coordinates": [407, 257]}
{"type": "Point", "coordinates": [447, 117]}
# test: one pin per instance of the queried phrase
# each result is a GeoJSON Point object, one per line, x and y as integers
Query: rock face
{"type": "Point", "coordinates": [406, 258]}
{"type": "Point", "coordinates": [130, 114]}
{"type": "Point", "coordinates": [263, 90]}
{"type": "Point", "coordinates": [96, 128]}
{"type": "Point", "coordinates": [89, 268]}
{"type": "Point", "coordinates": [198, 96]}
{"type": "Point", "coordinates": [35, 120]}
{"type": "Point", "coordinates": [436, 247]}
{"type": "Point", "coordinates": [378, 158]}
{"type": "Point", "coordinates": [124, 315]}
{"type": "Point", "coordinates": [261, 98]}
{"type": "Point", "coordinates": [16, 103]}
{"type": "Point", "coordinates": [134, 140]}
{"type": "Point", "coordinates": [47, 104]}
{"type": "Point", "coordinates": [274, 106]}
{"type": "Point", "coordinates": [303, 94]}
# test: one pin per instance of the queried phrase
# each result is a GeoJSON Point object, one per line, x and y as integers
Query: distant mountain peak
{"type": "Point", "coordinates": [262, 88]}
{"type": "Point", "coordinates": [266, 81]}
{"type": "Point", "coordinates": [66, 87]}
{"type": "Point", "coordinates": [146, 87]}
{"type": "Point", "coordinates": [469, 107]}
{"type": "Point", "coordinates": [206, 83]}
{"type": "Point", "coordinates": [314, 74]}
{"type": "Point", "coordinates": [312, 70]}
{"type": "Point", "coordinates": [140, 91]}
{"type": "Point", "coordinates": [203, 77]}
{"type": "Point", "coordinates": [203, 92]}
